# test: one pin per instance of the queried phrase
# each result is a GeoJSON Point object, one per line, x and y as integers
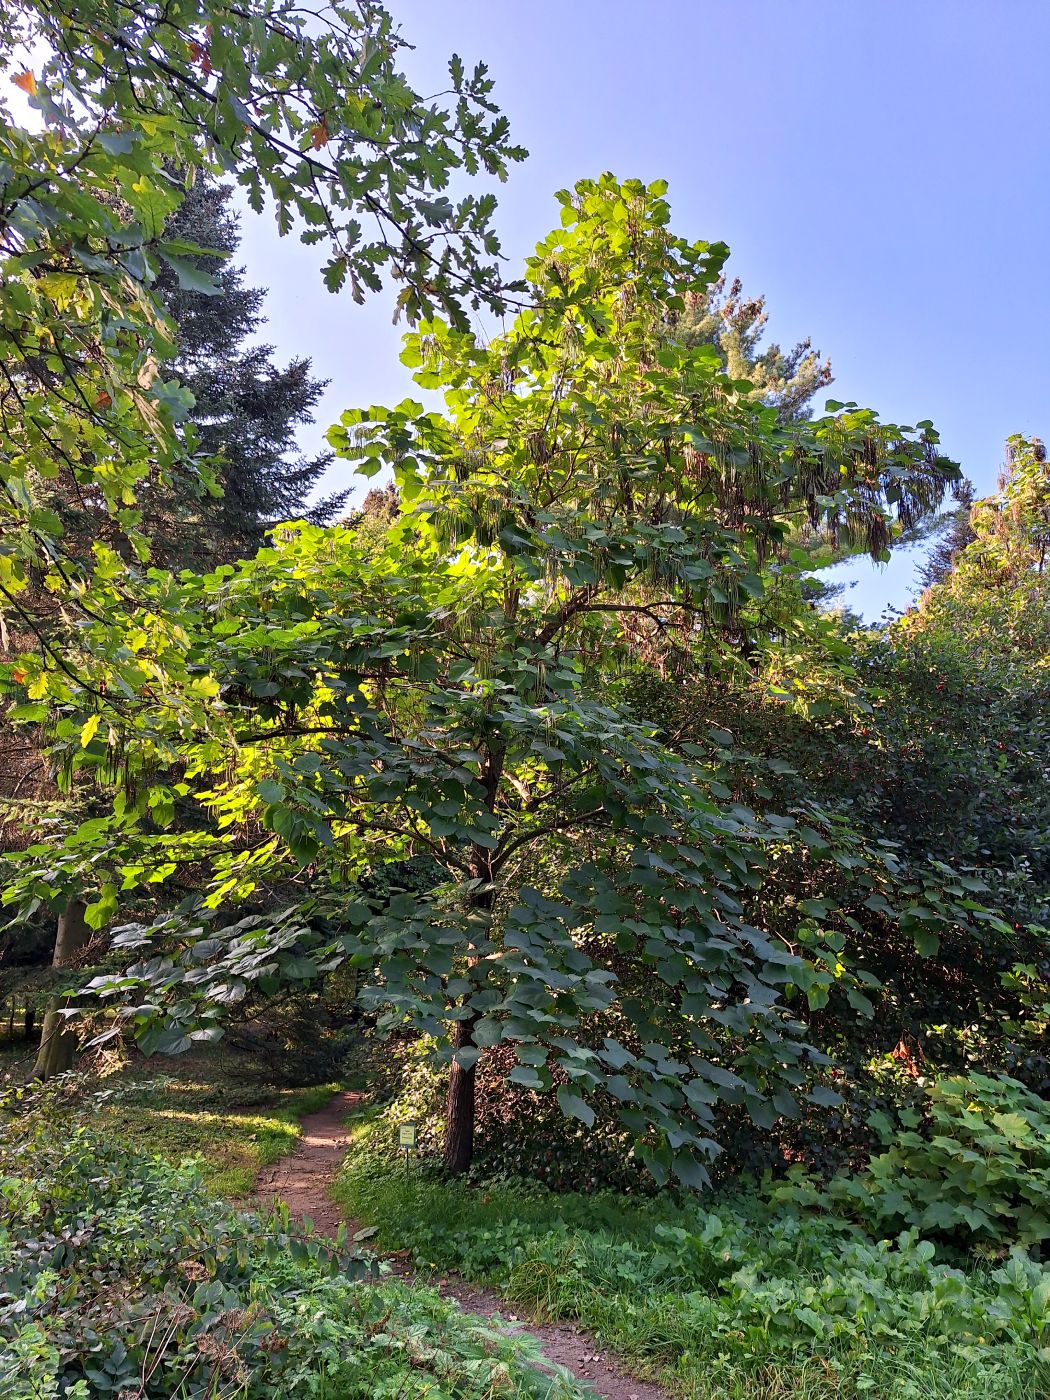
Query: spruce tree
{"type": "Point", "coordinates": [957, 532]}
{"type": "Point", "coordinates": [248, 409]}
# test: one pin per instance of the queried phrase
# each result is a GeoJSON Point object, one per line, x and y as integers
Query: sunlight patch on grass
{"type": "Point", "coordinates": [199, 1116]}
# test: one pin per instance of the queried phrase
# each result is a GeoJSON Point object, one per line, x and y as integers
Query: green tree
{"type": "Point", "coordinates": [246, 409]}
{"type": "Point", "coordinates": [1012, 530]}
{"type": "Point", "coordinates": [306, 113]}
{"type": "Point", "coordinates": [310, 116]}
{"type": "Point", "coordinates": [245, 413]}
{"type": "Point", "coordinates": [954, 535]}
{"type": "Point", "coordinates": [736, 325]}
{"type": "Point", "coordinates": [594, 486]}
{"type": "Point", "coordinates": [967, 719]}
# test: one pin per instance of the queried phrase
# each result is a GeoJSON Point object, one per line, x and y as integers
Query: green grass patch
{"type": "Point", "coordinates": [396, 1197]}
{"type": "Point", "coordinates": [729, 1298]}
{"type": "Point", "coordinates": [212, 1108]}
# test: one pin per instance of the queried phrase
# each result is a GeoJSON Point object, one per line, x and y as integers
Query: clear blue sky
{"type": "Point", "coordinates": [879, 168]}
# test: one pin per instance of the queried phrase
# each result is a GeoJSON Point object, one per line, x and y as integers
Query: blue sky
{"type": "Point", "coordinates": [880, 170]}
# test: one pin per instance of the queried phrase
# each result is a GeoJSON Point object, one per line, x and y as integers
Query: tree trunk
{"type": "Point", "coordinates": [58, 1040]}
{"type": "Point", "coordinates": [459, 1106]}
{"type": "Point", "coordinates": [459, 1110]}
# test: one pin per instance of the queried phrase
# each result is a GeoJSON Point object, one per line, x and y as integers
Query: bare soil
{"type": "Point", "coordinates": [302, 1180]}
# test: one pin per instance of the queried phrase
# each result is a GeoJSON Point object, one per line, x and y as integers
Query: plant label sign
{"type": "Point", "coordinates": [406, 1136]}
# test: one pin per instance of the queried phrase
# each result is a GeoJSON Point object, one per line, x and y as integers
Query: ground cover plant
{"type": "Point", "coordinates": [730, 1297]}
{"type": "Point", "coordinates": [971, 1161]}
{"type": "Point", "coordinates": [121, 1275]}
{"type": "Point", "coordinates": [214, 1108]}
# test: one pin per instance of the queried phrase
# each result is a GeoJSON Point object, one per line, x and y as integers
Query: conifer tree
{"type": "Point", "coordinates": [956, 534]}
{"type": "Point", "coordinates": [247, 408]}
{"type": "Point", "coordinates": [735, 324]}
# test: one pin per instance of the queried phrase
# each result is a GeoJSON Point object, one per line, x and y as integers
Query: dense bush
{"type": "Point", "coordinates": [121, 1276]}
{"type": "Point", "coordinates": [974, 1165]}
{"type": "Point", "coordinates": [519, 1132]}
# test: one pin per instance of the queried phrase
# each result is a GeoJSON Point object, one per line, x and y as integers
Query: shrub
{"type": "Point", "coordinates": [121, 1275]}
{"type": "Point", "coordinates": [978, 1171]}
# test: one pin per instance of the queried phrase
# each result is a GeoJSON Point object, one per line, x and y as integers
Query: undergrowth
{"type": "Point", "coordinates": [121, 1276]}
{"type": "Point", "coordinates": [731, 1298]}
{"type": "Point", "coordinates": [210, 1107]}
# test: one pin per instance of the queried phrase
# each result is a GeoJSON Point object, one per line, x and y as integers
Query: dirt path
{"type": "Point", "coordinates": [303, 1178]}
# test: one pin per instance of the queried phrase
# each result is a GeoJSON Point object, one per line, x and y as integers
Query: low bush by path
{"type": "Point", "coordinates": [731, 1299]}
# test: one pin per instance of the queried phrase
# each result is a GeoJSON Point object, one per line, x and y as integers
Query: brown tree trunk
{"type": "Point", "coordinates": [58, 1040]}
{"type": "Point", "coordinates": [459, 1108]}
{"type": "Point", "coordinates": [462, 1081]}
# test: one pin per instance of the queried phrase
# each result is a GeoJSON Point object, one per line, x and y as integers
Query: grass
{"type": "Point", "coordinates": [211, 1107]}
{"type": "Point", "coordinates": [396, 1198]}
{"type": "Point", "coordinates": [725, 1299]}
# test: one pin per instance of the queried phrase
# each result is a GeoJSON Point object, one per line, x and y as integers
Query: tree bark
{"type": "Point", "coordinates": [459, 1108]}
{"type": "Point", "coordinates": [58, 1040]}
{"type": "Point", "coordinates": [460, 1103]}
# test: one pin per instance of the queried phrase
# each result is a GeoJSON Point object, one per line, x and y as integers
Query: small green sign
{"type": "Point", "coordinates": [406, 1136]}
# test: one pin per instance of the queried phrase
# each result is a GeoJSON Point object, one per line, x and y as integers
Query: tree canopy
{"type": "Point", "coordinates": [134, 102]}
{"type": "Point", "coordinates": [595, 490]}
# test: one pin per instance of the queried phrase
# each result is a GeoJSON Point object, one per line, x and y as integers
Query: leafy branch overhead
{"type": "Point", "coordinates": [307, 111]}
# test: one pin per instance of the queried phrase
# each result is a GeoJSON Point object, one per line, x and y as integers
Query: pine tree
{"type": "Point", "coordinates": [957, 533]}
{"type": "Point", "coordinates": [735, 325]}
{"type": "Point", "coordinates": [247, 408]}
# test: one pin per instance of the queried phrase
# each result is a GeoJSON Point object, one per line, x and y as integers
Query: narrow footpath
{"type": "Point", "coordinates": [303, 1180]}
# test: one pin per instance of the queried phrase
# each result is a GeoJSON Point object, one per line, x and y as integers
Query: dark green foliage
{"type": "Point", "coordinates": [246, 409]}
{"type": "Point", "coordinates": [520, 1133]}
{"type": "Point", "coordinates": [120, 1275]}
{"type": "Point", "coordinates": [943, 990]}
